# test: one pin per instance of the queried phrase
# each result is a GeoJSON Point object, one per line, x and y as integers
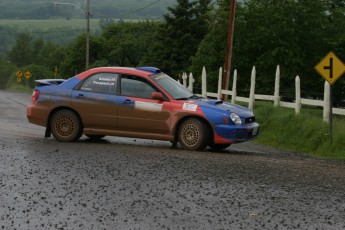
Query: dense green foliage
{"type": "Point", "coordinates": [193, 34]}
{"type": "Point", "coordinates": [305, 133]}
{"type": "Point", "coordinates": [120, 44]}
{"type": "Point", "coordinates": [7, 70]}
{"type": "Point", "coordinates": [59, 31]}
{"type": "Point", "coordinates": [178, 37]}
{"type": "Point", "coordinates": [294, 34]}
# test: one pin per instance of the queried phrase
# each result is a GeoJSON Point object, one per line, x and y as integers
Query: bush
{"type": "Point", "coordinates": [37, 71]}
{"type": "Point", "coordinates": [7, 72]}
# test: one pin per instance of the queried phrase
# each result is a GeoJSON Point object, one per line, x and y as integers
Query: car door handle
{"type": "Point", "coordinates": [127, 101]}
{"type": "Point", "coordinates": [80, 95]}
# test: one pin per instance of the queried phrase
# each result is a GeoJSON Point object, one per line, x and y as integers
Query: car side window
{"type": "Point", "coordinates": [136, 87]}
{"type": "Point", "coordinates": [100, 83]}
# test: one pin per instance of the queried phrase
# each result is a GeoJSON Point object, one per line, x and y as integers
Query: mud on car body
{"type": "Point", "coordinates": [137, 102]}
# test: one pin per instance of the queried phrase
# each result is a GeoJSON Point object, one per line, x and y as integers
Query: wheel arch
{"type": "Point", "coordinates": [202, 119]}
{"type": "Point", "coordinates": [48, 130]}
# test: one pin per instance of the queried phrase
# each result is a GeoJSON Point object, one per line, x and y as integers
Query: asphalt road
{"type": "Point", "coordinates": [124, 183]}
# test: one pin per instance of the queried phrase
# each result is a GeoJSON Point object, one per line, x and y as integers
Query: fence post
{"type": "Point", "coordinates": [184, 79]}
{"type": "Point", "coordinates": [252, 89]}
{"type": "Point", "coordinates": [277, 87]}
{"type": "Point", "coordinates": [204, 83]}
{"type": "Point", "coordinates": [326, 104]}
{"type": "Point", "coordinates": [220, 79]}
{"type": "Point", "coordinates": [191, 82]}
{"type": "Point", "coordinates": [234, 88]}
{"type": "Point", "coordinates": [298, 95]}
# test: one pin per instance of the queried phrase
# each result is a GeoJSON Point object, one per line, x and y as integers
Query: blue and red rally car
{"type": "Point", "coordinates": [137, 102]}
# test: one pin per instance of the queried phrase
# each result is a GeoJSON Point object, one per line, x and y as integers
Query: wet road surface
{"type": "Point", "coordinates": [125, 183]}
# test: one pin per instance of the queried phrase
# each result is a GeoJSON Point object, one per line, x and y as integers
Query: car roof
{"type": "Point", "coordinates": [141, 71]}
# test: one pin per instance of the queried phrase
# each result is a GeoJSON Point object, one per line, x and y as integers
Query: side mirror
{"type": "Point", "coordinates": [157, 96]}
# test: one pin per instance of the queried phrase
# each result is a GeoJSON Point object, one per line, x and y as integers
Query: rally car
{"type": "Point", "coordinates": [137, 102]}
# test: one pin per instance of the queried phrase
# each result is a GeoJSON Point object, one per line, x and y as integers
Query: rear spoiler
{"type": "Point", "coordinates": [49, 82]}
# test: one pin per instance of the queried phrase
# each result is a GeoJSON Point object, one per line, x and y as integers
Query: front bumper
{"type": "Point", "coordinates": [236, 133]}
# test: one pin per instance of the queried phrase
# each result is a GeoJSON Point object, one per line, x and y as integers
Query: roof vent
{"type": "Point", "coordinates": [149, 69]}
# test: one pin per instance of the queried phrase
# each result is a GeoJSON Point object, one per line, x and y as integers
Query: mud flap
{"type": "Point", "coordinates": [48, 132]}
{"type": "Point", "coordinates": [174, 144]}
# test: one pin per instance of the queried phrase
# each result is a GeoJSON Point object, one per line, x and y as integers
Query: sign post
{"type": "Point", "coordinates": [331, 68]}
{"type": "Point", "coordinates": [27, 75]}
{"type": "Point", "coordinates": [19, 74]}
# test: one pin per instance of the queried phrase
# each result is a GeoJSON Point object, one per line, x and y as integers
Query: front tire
{"type": "Point", "coordinates": [193, 134]}
{"type": "Point", "coordinates": [94, 137]}
{"type": "Point", "coordinates": [66, 126]}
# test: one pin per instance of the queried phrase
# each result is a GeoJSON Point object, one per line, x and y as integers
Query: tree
{"type": "Point", "coordinates": [293, 34]}
{"type": "Point", "coordinates": [212, 49]}
{"type": "Point", "coordinates": [7, 71]}
{"type": "Point", "coordinates": [178, 37]}
{"type": "Point", "coordinates": [22, 50]}
{"type": "Point", "coordinates": [128, 42]}
{"type": "Point", "coordinates": [38, 72]}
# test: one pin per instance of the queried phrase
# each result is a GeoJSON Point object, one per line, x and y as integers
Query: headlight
{"type": "Point", "coordinates": [235, 118]}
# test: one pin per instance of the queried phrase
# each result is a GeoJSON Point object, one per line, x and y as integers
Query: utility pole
{"type": "Point", "coordinates": [87, 17]}
{"type": "Point", "coordinates": [87, 34]}
{"type": "Point", "coordinates": [226, 76]}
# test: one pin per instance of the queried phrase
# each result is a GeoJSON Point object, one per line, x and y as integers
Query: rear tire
{"type": "Point", "coordinates": [66, 126]}
{"type": "Point", "coordinates": [193, 134]}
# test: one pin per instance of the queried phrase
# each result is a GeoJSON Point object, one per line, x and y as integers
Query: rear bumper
{"type": "Point", "coordinates": [236, 133]}
{"type": "Point", "coordinates": [37, 115]}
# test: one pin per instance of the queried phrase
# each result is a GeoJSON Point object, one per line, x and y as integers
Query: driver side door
{"type": "Point", "coordinates": [137, 111]}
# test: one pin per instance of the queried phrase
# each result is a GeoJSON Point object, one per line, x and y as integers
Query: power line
{"type": "Point", "coordinates": [131, 12]}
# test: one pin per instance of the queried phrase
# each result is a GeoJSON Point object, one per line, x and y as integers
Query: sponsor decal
{"type": "Point", "coordinates": [189, 107]}
{"type": "Point", "coordinates": [147, 106]}
{"type": "Point", "coordinates": [105, 81]}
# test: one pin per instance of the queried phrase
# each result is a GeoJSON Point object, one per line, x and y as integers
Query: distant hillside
{"type": "Point", "coordinates": [116, 9]}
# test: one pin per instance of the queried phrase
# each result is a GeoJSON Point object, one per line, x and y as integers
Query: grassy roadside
{"type": "Point", "coordinates": [19, 88]}
{"type": "Point", "coordinates": [305, 133]}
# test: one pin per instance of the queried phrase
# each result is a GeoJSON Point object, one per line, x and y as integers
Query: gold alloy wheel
{"type": "Point", "coordinates": [64, 126]}
{"type": "Point", "coordinates": [190, 134]}
{"type": "Point", "coordinates": [193, 134]}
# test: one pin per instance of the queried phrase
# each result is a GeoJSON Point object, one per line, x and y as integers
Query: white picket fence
{"type": "Point", "coordinates": [325, 103]}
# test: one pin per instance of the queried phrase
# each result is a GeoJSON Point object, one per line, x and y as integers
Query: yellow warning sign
{"type": "Point", "coordinates": [27, 74]}
{"type": "Point", "coordinates": [331, 68]}
{"type": "Point", "coordinates": [19, 73]}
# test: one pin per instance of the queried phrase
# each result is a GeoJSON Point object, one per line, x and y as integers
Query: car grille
{"type": "Point", "coordinates": [249, 120]}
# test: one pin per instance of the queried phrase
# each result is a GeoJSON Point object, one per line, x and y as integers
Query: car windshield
{"type": "Point", "coordinates": [172, 87]}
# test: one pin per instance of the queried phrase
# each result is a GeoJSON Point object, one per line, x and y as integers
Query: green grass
{"type": "Point", "coordinates": [19, 88]}
{"type": "Point", "coordinates": [305, 133]}
{"type": "Point", "coordinates": [45, 25]}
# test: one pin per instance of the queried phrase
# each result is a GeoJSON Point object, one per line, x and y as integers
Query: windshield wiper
{"type": "Point", "coordinates": [194, 97]}
{"type": "Point", "coordinates": [186, 98]}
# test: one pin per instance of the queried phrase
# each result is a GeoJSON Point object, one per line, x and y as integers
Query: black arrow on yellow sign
{"type": "Point", "coordinates": [331, 68]}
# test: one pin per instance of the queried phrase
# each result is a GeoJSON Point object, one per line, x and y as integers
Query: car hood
{"type": "Point", "coordinates": [225, 106]}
